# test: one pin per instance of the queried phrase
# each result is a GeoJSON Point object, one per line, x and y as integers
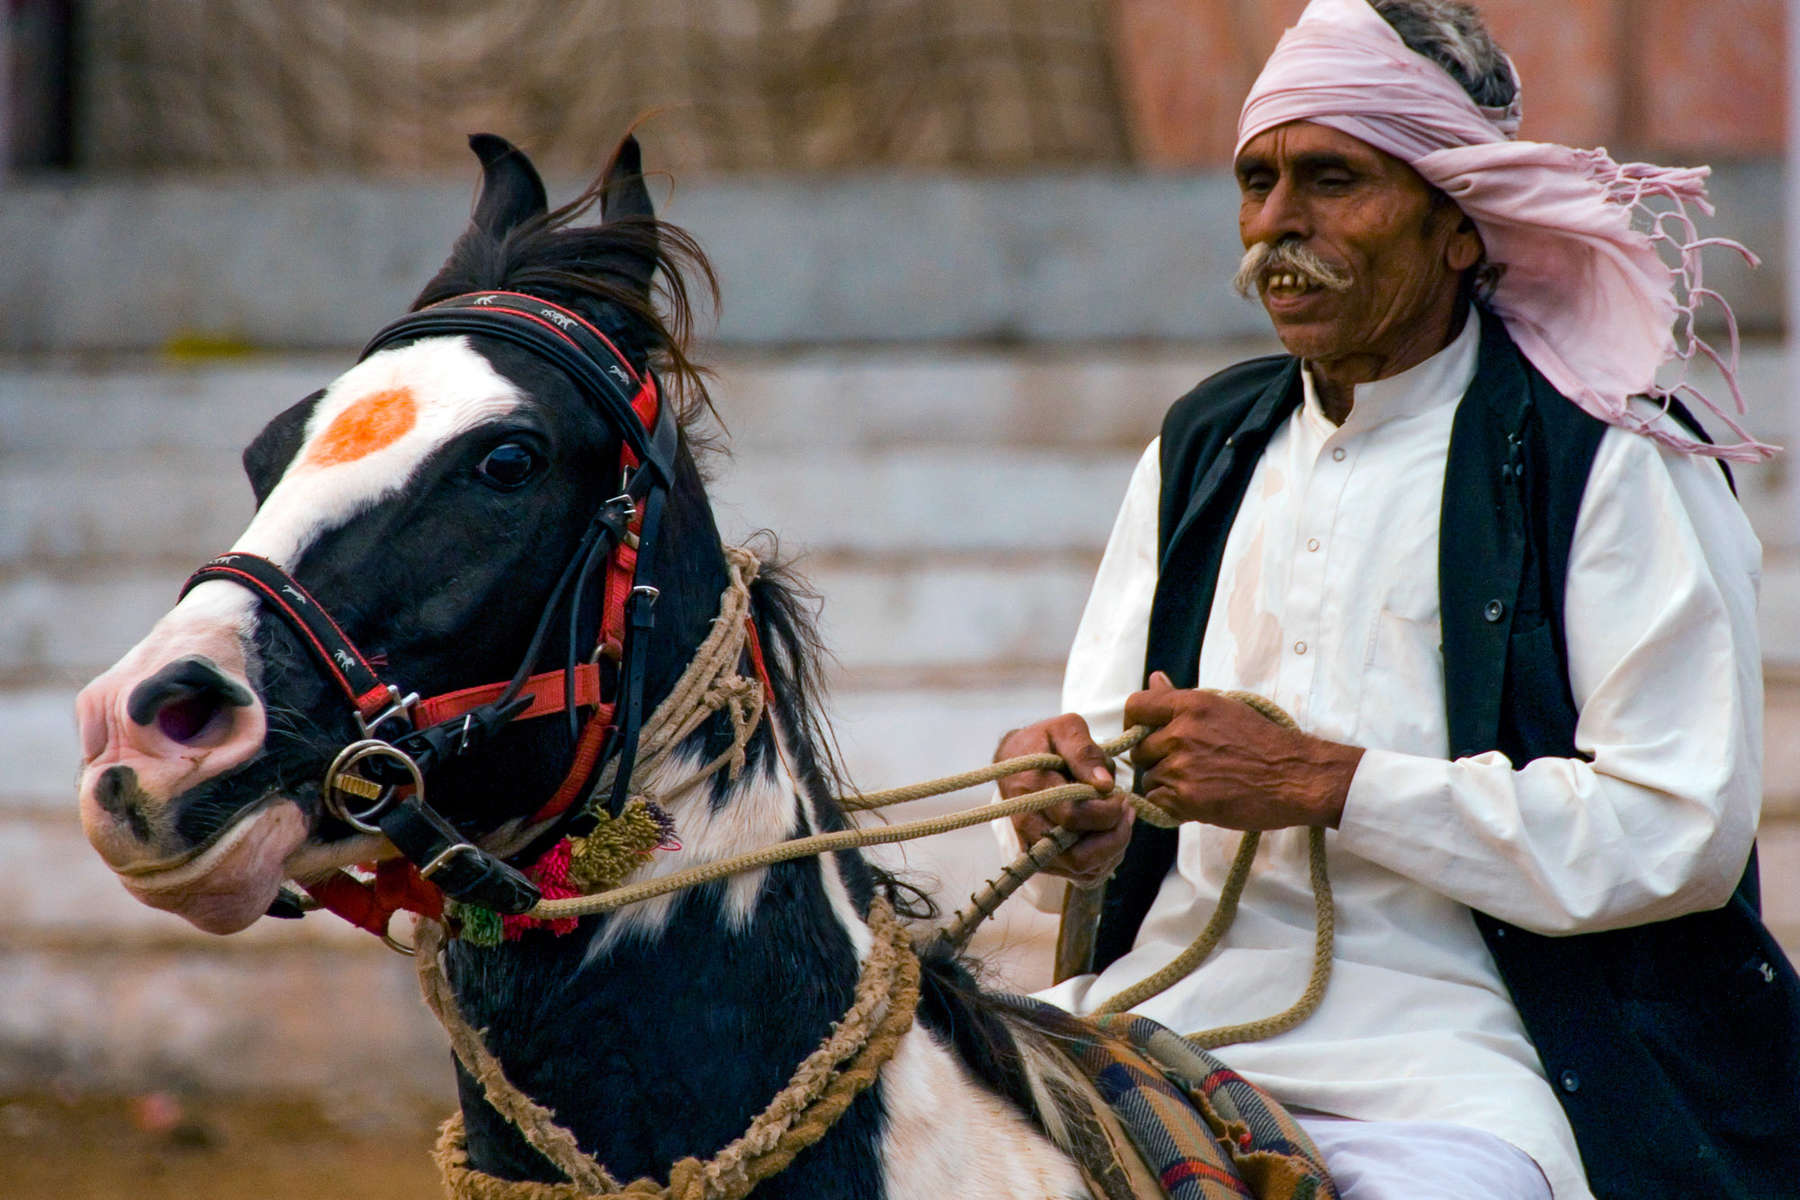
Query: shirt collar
{"type": "Point", "coordinates": [1440, 379]}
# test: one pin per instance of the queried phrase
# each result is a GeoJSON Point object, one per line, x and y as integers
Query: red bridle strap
{"type": "Point", "coordinates": [545, 691]}
{"type": "Point", "coordinates": [397, 886]}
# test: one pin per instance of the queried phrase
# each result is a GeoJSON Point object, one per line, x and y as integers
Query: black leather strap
{"type": "Point", "coordinates": [342, 661]}
{"type": "Point", "coordinates": [556, 334]}
{"type": "Point", "coordinates": [443, 856]}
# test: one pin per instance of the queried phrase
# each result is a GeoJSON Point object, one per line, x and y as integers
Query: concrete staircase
{"type": "Point", "coordinates": [950, 507]}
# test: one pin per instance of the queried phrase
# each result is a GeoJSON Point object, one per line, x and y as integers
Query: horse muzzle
{"type": "Point", "coordinates": [175, 713]}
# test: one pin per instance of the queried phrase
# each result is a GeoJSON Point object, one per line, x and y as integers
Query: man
{"type": "Point", "coordinates": [1512, 611]}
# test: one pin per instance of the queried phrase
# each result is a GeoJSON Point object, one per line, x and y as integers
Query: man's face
{"type": "Point", "coordinates": [1373, 220]}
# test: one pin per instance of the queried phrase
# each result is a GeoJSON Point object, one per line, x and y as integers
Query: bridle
{"type": "Point", "coordinates": [376, 784]}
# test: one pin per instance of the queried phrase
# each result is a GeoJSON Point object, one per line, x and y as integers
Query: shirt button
{"type": "Point", "coordinates": [1312, 543]}
{"type": "Point", "coordinates": [1338, 454]}
{"type": "Point", "coordinates": [1299, 647]}
{"type": "Point", "coordinates": [1493, 610]}
{"type": "Point", "coordinates": [1570, 1081]}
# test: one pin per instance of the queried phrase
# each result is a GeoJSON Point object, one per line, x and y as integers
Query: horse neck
{"type": "Point", "coordinates": [659, 1031]}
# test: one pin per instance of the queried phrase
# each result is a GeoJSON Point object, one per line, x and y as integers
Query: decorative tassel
{"type": "Point", "coordinates": [475, 925]}
{"type": "Point", "coordinates": [618, 845]}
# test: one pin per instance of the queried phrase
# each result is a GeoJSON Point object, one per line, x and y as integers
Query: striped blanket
{"type": "Point", "coordinates": [1201, 1131]}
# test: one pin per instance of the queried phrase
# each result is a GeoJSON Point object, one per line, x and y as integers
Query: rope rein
{"type": "Point", "coordinates": [887, 989]}
{"type": "Point", "coordinates": [711, 682]}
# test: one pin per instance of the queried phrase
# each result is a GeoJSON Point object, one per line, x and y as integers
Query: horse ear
{"type": "Point", "coordinates": [622, 191]}
{"type": "Point", "coordinates": [511, 192]}
{"type": "Point", "coordinates": [267, 457]}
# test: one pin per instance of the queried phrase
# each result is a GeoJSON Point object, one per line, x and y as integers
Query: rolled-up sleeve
{"type": "Point", "coordinates": [1657, 819]}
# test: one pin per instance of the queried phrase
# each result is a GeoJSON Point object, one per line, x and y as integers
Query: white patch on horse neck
{"type": "Point", "coordinates": [760, 810]}
{"type": "Point", "coordinates": [831, 866]}
{"type": "Point", "coordinates": [947, 1135]}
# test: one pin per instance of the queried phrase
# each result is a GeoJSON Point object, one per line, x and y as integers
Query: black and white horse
{"type": "Point", "coordinates": [428, 499]}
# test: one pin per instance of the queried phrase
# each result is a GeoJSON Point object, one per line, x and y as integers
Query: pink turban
{"type": "Point", "coordinates": [1588, 299]}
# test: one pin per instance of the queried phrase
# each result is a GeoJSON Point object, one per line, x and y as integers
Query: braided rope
{"type": "Point", "coordinates": [824, 1084]}
{"type": "Point", "coordinates": [1189, 960]}
{"type": "Point", "coordinates": [709, 683]}
{"type": "Point", "coordinates": [983, 904]}
{"type": "Point", "coordinates": [821, 1088]}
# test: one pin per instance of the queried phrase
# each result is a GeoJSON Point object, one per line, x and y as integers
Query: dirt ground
{"type": "Point", "coordinates": [159, 1147]}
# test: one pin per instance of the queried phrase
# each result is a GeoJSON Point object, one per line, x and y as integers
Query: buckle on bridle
{"type": "Point", "coordinates": [398, 706]}
{"type": "Point", "coordinates": [437, 864]}
{"type": "Point", "coordinates": [342, 790]}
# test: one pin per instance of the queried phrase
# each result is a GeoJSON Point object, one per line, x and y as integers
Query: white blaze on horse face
{"type": "Point", "coordinates": [370, 433]}
{"type": "Point", "coordinates": [366, 439]}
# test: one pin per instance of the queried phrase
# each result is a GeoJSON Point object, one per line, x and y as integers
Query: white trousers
{"type": "Point", "coordinates": [1422, 1160]}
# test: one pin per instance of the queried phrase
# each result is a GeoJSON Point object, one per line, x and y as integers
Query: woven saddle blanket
{"type": "Point", "coordinates": [1168, 1119]}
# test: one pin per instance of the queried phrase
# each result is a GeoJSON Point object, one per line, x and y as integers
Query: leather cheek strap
{"type": "Point", "coordinates": [445, 858]}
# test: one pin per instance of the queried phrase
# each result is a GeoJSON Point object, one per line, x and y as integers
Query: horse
{"type": "Point", "coordinates": [434, 509]}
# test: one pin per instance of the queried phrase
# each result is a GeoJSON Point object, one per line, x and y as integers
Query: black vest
{"type": "Point", "coordinates": [1674, 1047]}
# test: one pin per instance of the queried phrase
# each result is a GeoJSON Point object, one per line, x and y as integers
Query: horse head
{"type": "Point", "coordinates": [428, 502]}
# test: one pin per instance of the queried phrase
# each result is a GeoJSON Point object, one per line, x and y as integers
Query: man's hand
{"type": "Point", "coordinates": [1105, 823]}
{"type": "Point", "coordinates": [1209, 758]}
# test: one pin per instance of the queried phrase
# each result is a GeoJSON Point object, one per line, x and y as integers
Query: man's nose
{"type": "Point", "coordinates": [1276, 216]}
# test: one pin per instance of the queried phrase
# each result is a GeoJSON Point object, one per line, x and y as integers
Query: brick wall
{"type": "Point", "coordinates": [1695, 79]}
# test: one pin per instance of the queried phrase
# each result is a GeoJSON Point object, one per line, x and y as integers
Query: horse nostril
{"type": "Point", "coordinates": [185, 699]}
{"type": "Point", "coordinates": [183, 720]}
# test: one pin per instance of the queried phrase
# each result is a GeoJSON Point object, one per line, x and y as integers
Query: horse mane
{"type": "Point", "coordinates": [998, 1042]}
{"type": "Point", "coordinates": [598, 270]}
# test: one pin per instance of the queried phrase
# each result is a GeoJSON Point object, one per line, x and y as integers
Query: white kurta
{"type": "Point", "coordinates": [1327, 603]}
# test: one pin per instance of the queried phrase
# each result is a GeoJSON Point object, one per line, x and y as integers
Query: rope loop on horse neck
{"type": "Point", "coordinates": [844, 1065]}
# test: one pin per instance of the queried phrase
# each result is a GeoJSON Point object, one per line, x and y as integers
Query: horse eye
{"type": "Point", "coordinates": [507, 466]}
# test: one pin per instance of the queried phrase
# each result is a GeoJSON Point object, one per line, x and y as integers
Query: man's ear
{"type": "Point", "coordinates": [1464, 249]}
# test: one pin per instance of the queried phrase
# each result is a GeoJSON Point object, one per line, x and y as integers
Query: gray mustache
{"type": "Point", "coordinates": [1265, 259]}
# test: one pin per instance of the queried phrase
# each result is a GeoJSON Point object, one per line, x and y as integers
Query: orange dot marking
{"type": "Point", "coordinates": [375, 421]}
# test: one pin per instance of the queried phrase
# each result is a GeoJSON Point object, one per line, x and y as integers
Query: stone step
{"type": "Point", "coordinates": [883, 615]}
{"type": "Point", "coordinates": [819, 398]}
{"type": "Point", "coordinates": [909, 256]}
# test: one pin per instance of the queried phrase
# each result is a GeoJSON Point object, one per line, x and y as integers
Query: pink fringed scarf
{"type": "Point", "coordinates": [1589, 300]}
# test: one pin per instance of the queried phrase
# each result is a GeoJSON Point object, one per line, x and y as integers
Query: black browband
{"type": "Point", "coordinates": [603, 375]}
{"type": "Point", "coordinates": [557, 335]}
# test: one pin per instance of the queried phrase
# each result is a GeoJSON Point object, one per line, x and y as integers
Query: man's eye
{"type": "Point", "coordinates": [507, 466]}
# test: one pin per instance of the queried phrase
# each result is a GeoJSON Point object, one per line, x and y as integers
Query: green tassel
{"type": "Point", "coordinates": [478, 926]}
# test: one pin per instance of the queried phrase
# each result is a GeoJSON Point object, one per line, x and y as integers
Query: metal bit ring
{"type": "Point", "coordinates": [341, 787]}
